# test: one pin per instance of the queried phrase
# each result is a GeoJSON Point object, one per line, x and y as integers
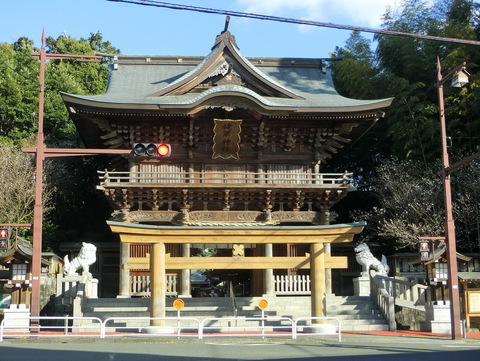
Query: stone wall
{"type": "Point", "coordinates": [48, 290]}
{"type": "Point", "coordinates": [409, 319]}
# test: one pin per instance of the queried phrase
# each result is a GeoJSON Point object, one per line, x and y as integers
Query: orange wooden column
{"type": "Point", "coordinates": [158, 284]}
{"type": "Point", "coordinates": [317, 278]}
{"type": "Point", "coordinates": [124, 282]}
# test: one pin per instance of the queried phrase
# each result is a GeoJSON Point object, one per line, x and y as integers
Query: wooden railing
{"type": "Point", "coordinates": [210, 178]}
{"type": "Point", "coordinates": [140, 285]}
{"type": "Point", "coordinates": [292, 285]}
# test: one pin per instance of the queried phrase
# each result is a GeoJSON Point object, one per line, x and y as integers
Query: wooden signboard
{"type": "Point", "coordinates": [472, 304]}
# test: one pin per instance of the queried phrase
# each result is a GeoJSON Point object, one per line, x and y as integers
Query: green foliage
{"type": "Point", "coordinates": [18, 93]}
{"type": "Point", "coordinates": [19, 73]}
{"type": "Point", "coordinates": [71, 76]}
{"type": "Point", "coordinates": [405, 68]}
{"type": "Point", "coordinates": [77, 208]}
{"type": "Point", "coordinates": [355, 72]}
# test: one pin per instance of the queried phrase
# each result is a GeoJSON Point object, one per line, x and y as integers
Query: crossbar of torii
{"type": "Point", "coordinates": [41, 152]}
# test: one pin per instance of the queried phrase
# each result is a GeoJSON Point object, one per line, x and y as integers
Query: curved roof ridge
{"type": "Point", "coordinates": [195, 76]}
{"type": "Point", "coordinates": [254, 68]}
{"type": "Point", "coordinates": [188, 74]}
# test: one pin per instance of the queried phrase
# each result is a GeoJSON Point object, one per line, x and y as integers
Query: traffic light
{"type": "Point", "coordinates": [3, 238]}
{"type": "Point", "coordinates": [152, 150]}
{"type": "Point", "coordinates": [425, 252]}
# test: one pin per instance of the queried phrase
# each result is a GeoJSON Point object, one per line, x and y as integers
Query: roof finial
{"type": "Point", "coordinates": [227, 21]}
{"type": "Point", "coordinates": [225, 36]}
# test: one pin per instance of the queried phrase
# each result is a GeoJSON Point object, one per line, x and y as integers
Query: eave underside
{"type": "Point", "coordinates": [340, 233]}
{"type": "Point", "coordinates": [317, 135]}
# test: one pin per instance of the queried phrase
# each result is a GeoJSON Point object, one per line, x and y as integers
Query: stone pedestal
{"type": "Point", "coordinates": [437, 319]}
{"type": "Point", "coordinates": [361, 286]}
{"type": "Point", "coordinates": [16, 318]}
{"type": "Point", "coordinates": [91, 287]}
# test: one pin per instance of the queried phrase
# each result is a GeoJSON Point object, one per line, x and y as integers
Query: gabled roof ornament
{"type": "Point", "coordinates": [225, 36]}
{"type": "Point", "coordinates": [227, 22]}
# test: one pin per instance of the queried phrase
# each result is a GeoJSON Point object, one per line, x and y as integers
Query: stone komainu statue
{"type": "Point", "coordinates": [368, 261]}
{"type": "Point", "coordinates": [84, 259]}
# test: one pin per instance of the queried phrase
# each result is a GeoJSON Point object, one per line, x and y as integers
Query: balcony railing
{"type": "Point", "coordinates": [123, 179]}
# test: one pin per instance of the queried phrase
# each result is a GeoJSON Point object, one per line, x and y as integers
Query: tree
{"type": "Point", "coordinates": [77, 207]}
{"type": "Point", "coordinates": [356, 76]}
{"type": "Point", "coordinates": [19, 72]}
{"type": "Point", "coordinates": [356, 71]}
{"type": "Point", "coordinates": [412, 61]}
{"type": "Point", "coordinates": [18, 90]}
{"type": "Point", "coordinates": [71, 76]}
{"type": "Point", "coordinates": [80, 210]}
{"type": "Point", "coordinates": [18, 185]}
{"type": "Point", "coordinates": [404, 68]}
{"type": "Point", "coordinates": [409, 205]}
{"type": "Point", "coordinates": [466, 205]}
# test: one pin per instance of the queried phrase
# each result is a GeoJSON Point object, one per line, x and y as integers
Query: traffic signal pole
{"type": "Point", "coordinates": [41, 152]}
{"type": "Point", "coordinates": [38, 207]}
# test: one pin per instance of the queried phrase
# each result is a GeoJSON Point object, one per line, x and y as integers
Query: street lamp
{"type": "Point", "coordinates": [459, 78]}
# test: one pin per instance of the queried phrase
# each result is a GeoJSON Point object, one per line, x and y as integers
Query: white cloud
{"type": "Point", "coordinates": [366, 13]}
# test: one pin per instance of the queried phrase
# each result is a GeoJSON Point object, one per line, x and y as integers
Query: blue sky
{"type": "Point", "coordinates": [142, 30]}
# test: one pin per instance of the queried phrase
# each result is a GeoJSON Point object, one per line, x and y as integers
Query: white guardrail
{"type": "Point", "coordinates": [45, 326]}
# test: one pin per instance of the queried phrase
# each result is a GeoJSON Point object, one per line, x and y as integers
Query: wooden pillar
{"type": "Point", "coordinates": [325, 220]}
{"type": "Point", "coordinates": [257, 282]}
{"type": "Point", "coordinates": [124, 282]}
{"type": "Point", "coordinates": [317, 277]}
{"type": "Point", "coordinates": [158, 283]}
{"type": "Point", "coordinates": [185, 287]}
{"type": "Point", "coordinates": [268, 288]}
{"type": "Point", "coordinates": [328, 271]}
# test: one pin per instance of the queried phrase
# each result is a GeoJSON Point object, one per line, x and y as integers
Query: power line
{"type": "Point", "coordinates": [174, 6]}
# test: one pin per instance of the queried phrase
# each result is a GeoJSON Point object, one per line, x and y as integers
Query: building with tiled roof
{"type": "Point", "coordinates": [248, 138]}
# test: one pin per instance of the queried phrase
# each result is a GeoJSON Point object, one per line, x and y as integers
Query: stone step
{"type": "Point", "coordinates": [355, 313]}
{"type": "Point", "coordinates": [203, 305]}
{"type": "Point", "coordinates": [359, 317]}
{"type": "Point", "coordinates": [353, 309]}
{"type": "Point", "coordinates": [362, 321]}
{"type": "Point", "coordinates": [359, 309]}
{"type": "Point", "coordinates": [348, 298]}
{"type": "Point", "coordinates": [357, 328]}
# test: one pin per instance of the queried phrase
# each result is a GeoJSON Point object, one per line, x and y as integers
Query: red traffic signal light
{"type": "Point", "coordinates": [425, 252]}
{"type": "Point", "coordinates": [152, 150]}
{"type": "Point", "coordinates": [3, 238]}
{"type": "Point", "coordinates": [164, 150]}
{"type": "Point", "coordinates": [424, 246]}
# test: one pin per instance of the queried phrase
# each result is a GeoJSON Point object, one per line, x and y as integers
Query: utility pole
{"type": "Point", "coordinates": [41, 152]}
{"type": "Point", "coordinates": [453, 287]}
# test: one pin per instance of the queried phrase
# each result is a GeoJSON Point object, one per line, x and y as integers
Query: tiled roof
{"type": "Point", "coordinates": [302, 84]}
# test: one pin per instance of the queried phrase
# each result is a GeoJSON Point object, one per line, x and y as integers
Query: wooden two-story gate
{"type": "Point", "coordinates": [246, 140]}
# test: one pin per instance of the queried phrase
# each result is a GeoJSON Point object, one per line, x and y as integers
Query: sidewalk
{"type": "Point", "coordinates": [361, 346]}
{"type": "Point", "coordinates": [405, 333]}
{"type": "Point", "coordinates": [51, 337]}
